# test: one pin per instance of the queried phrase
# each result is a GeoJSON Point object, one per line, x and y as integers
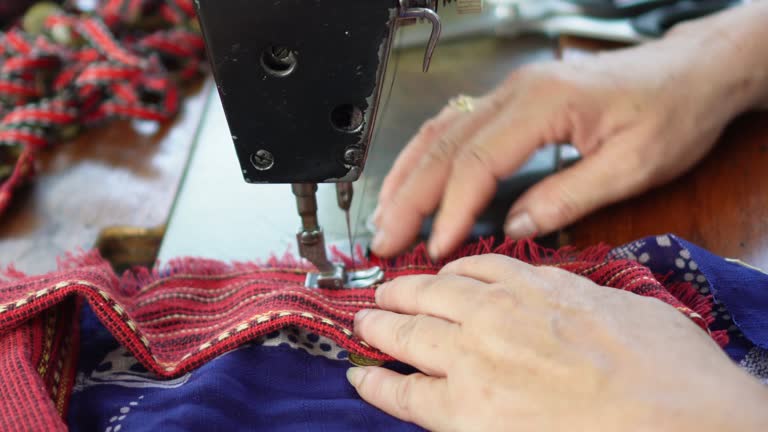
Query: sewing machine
{"type": "Point", "coordinates": [300, 86]}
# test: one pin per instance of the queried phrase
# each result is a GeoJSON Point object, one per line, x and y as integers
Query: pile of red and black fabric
{"type": "Point", "coordinates": [63, 69]}
{"type": "Point", "coordinates": [179, 317]}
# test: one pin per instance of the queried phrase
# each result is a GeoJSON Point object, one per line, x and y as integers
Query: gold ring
{"type": "Point", "coordinates": [463, 103]}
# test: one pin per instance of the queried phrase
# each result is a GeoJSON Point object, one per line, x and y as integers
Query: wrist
{"type": "Point", "coordinates": [731, 55]}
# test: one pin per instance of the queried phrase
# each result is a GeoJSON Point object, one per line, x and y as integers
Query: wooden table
{"type": "Point", "coordinates": [721, 205]}
{"type": "Point", "coordinates": [120, 176]}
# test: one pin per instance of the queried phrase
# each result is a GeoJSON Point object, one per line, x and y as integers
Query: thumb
{"type": "Point", "coordinates": [602, 178]}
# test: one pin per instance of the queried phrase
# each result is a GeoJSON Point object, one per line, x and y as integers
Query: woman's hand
{"type": "Point", "coordinates": [639, 117]}
{"type": "Point", "coordinates": [507, 346]}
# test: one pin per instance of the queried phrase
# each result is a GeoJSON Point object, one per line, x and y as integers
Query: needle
{"type": "Point", "coordinates": [344, 193]}
{"type": "Point", "coordinates": [349, 235]}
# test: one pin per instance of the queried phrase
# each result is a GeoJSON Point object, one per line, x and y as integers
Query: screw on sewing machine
{"type": "Point", "coordinates": [310, 238]}
{"type": "Point", "coordinates": [281, 53]}
{"type": "Point", "coordinates": [353, 156]}
{"type": "Point", "coordinates": [262, 160]}
{"type": "Point", "coordinates": [278, 61]}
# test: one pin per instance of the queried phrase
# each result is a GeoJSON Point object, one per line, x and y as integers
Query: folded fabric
{"type": "Point", "coordinates": [176, 318]}
{"type": "Point", "coordinates": [741, 288]}
{"type": "Point", "coordinates": [739, 292]}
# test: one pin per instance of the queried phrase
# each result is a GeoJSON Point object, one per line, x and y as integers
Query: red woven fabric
{"type": "Point", "coordinates": [85, 69]}
{"type": "Point", "coordinates": [175, 319]}
{"type": "Point", "coordinates": [37, 369]}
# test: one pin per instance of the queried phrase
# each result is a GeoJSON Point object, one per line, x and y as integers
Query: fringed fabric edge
{"type": "Point", "coordinates": [133, 281]}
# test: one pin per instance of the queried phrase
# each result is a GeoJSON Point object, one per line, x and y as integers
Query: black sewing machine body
{"type": "Point", "coordinates": [299, 82]}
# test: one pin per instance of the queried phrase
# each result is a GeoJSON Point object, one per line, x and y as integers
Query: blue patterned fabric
{"type": "Point", "coordinates": [295, 381]}
{"type": "Point", "coordinates": [743, 291]}
{"type": "Point", "coordinates": [257, 387]}
{"type": "Point", "coordinates": [740, 292]}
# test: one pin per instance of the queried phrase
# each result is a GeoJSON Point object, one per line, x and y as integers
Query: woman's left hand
{"type": "Point", "coordinates": [508, 346]}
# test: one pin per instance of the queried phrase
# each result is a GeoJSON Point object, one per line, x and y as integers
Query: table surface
{"type": "Point", "coordinates": [126, 175]}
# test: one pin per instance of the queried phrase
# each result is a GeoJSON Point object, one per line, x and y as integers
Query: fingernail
{"type": "Point", "coordinates": [379, 239]}
{"type": "Point", "coordinates": [435, 246]}
{"type": "Point", "coordinates": [355, 375]}
{"type": "Point", "coordinates": [361, 314]}
{"type": "Point", "coordinates": [433, 249]}
{"type": "Point", "coordinates": [520, 226]}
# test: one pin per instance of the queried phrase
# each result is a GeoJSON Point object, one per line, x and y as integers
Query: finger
{"type": "Point", "coordinates": [490, 156]}
{"type": "Point", "coordinates": [412, 153]}
{"type": "Point", "coordinates": [602, 178]}
{"type": "Point", "coordinates": [400, 218]}
{"type": "Point", "coordinates": [448, 297]}
{"type": "Point", "coordinates": [489, 269]}
{"type": "Point", "coordinates": [423, 341]}
{"type": "Point", "coordinates": [413, 398]}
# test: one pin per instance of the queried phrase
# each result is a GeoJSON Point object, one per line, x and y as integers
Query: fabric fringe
{"type": "Point", "coordinates": [528, 250]}
{"type": "Point", "coordinates": [10, 273]}
{"type": "Point", "coordinates": [525, 250]}
{"type": "Point", "coordinates": [697, 306]}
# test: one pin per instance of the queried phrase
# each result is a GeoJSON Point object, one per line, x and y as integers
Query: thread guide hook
{"type": "Point", "coordinates": [425, 11]}
{"type": "Point", "coordinates": [413, 11]}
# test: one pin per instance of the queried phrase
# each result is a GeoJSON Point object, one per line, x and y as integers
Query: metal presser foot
{"type": "Point", "coordinates": [311, 243]}
{"type": "Point", "coordinates": [345, 279]}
